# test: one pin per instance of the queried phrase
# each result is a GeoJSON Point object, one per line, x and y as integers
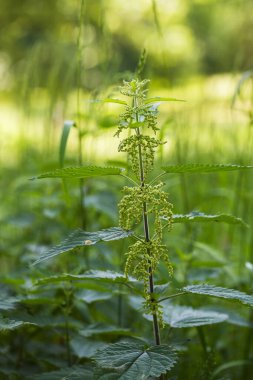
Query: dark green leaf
{"type": "Point", "coordinates": [202, 168]}
{"type": "Point", "coordinates": [135, 361]}
{"type": "Point", "coordinates": [85, 348]}
{"type": "Point", "coordinates": [68, 373]}
{"type": "Point", "coordinates": [8, 324]}
{"type": "Point", "coordinates": [103, 329]}
{"type": "Point", "coordinates": [81, 238]}
{"type": "Point", "coordinates": [210, 290]}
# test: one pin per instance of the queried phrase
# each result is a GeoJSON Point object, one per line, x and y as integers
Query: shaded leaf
{"type": "Point", "coordinates": [85, 348]}
{"type": "Point", "coordinates": [194, 217]}
{"type": "Point", "coordinates": [80, 238]}
{"type": "Point", "coordinates": [97, 275]}
{"type": "Point", "coordinates": [8, 303]}
{"type": "Point", "coordinates": [68, 373]}
{"type": "Point", "coordinates": [219, 292]}
{"type": "Point", "coordinates": [103, 329]}
{"type": "Point", "coordinates": [135, 361]}
{"type": "Point", "coordinates": [203, 168]}
{"type": "Point", "coordinates": [81, 172]}
{"type": "Point", "coordinates": [181, 316]}
{"type": "Point", "coordinates": [9, 324]}
{"type": "Point", "coordinates": [68, 124]}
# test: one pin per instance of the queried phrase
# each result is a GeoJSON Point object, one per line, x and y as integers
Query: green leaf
{"type": "Point", "coordinates": [214, 291]}
{"type": "Point", "coordinates": [81, 172]}
{"type": "Point", "coordinates": [103, 329]}
{"type": "Point", "coordinates": [161, 99]}
{"type": "Point", "coordinates": [117, 101]}
{"type": "Point", "coordinates": [203, 168]}
{"type": "Point", "coordinates": [97, 275]}
{"type": "Point", "coordinates": [9, 324]}
{"type": "Point", "coordinates": [230, 364]}
{"type": "Point", "coordinates": [68, 124]}
{"type": "Point", "coordinates": [80, 238]}
{"type": "Point", "coordinates": [194, 217]}
{"type": "Point", "coordinates": [68, 373]}
{"type": "Point", "coordinates": [8, 303]}
{"type": "Point", "coordinates": [181, 316]}
{"type": "Point", "coordinates": [85, 348]}
{"type": "Point", "coordinates": [135, 361]}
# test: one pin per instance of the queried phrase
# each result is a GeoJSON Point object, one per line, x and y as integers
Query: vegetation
{"type": "Point", "coordinates": [136, 263]}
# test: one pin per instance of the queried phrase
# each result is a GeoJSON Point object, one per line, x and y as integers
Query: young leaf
{"type": "Point", "coordinates": [161, 99]}
{"type": "Point", "coordinates": [181, 316]}
{"type": "Point", "coordinates": [203, 168]}
{"type": "Point", "coordinates": [194, 217]}
{"type": "Point", "coordinates": [81, 172]}
{"type": "Point", "coordinates": [214, 291]}
{"type": "Point", "coordinates": [81, 238]}
{"type": "Point", "coordinates": [135, 361]}
{"type": "Point", "coordinates": [68, 124]}
{"type": "Point", "coordinates": [97, 275]}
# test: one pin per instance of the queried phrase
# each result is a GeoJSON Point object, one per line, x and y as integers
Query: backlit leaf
{"type": "Point", "coordinates": [195, 217]}
{"type": "Point", "coordinates": [202, 168]}
{"type": "Point", "coordinates": [81, 172]}
{"type": "Point", "coordinates": [68, 124]}
{"type": "Point", "coordinates": [162, 99]}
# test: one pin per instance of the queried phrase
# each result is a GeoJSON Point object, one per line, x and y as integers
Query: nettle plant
{"type": "Point", "coordinates": [145, 216]}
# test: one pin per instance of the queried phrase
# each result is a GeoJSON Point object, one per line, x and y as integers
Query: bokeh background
{"type": "Point", "coordinates": [58, 59]}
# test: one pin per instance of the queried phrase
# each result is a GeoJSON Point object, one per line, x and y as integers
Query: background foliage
{"type": "Point", "coordinates": [57, 56]}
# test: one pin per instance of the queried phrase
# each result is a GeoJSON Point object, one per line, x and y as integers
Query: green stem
{"type": "Point", "coordinates": [156, 329]}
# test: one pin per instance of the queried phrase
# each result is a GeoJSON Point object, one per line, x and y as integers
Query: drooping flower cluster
{"type": "Point", "coordinates": [143, 201]}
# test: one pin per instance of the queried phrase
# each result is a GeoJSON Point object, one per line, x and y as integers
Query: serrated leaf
{"type": "Point", "coordinates": [219, 292]}
{"type": "Point", "coordinates": [97, 275]}
{"type": "Point", "coordinates": [203, 168]}
{"type": "Point", "coordinates": [9, 324]}
{"type": "Point", "coordinates": [68, 124]}
{"type": "Point", "coordinates": [135, 361]}
{"type": "Point", "coordinates": [161, 99]}
{"type": "Point", "coordinates": [195, 217]}
{"type": "Point", "coordinates": [181, 316]}
{"type": "Point", "coordinates": [8, 303]}
{"type": "Point", "coordinates": [81, 172]}
{"type": "Point", "coordinates": [80, 238]}
{"type": "Point", "coordinates": [68, 373]}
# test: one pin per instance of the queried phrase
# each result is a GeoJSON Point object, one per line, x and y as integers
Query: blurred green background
{"type": "Point", "coordinates": [49, 50]}
{"type": "Point", "coordinates": [56, 57]}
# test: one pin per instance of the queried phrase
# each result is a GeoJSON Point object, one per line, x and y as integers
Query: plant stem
{"type": "Point", "coordinates": [156, 328]}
